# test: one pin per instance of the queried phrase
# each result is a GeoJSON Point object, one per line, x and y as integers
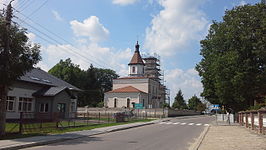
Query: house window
{"type": "Point", "coordinates": [133, 69]}
{"type": "Point", "coordinates": [10, 103]}
{"type": "Point", "coordinates": [44, 107]}
{"type": "Point", "coordinates": [61, 107]}
{"type": "Point", "coordinates": [128, 103]}
{"type": "Point", "coordinates": [115, 103]}
{"type": "Point", "coordinates": [25, 104]}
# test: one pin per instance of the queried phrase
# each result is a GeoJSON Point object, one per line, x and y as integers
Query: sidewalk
{"type": "Point", "coordinates": [224, 137]}
{"type": "Point", "coordinates": [42, 140]}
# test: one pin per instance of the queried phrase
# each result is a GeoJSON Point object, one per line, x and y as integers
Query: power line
{"type": "Point", "coordinates": [25, 5]}
{"type": "Point", "coordinates": [56, 35]}
{"type": "Point", "coordinates": [57, 42]}
{"type": "Point", "coordinates": [38, 8]}
{"type": "Point", "coordinates": [22, 3]}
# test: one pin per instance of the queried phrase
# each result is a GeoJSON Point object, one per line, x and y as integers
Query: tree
{"type": "Point", "coordinates": [69, 72]}
{"type": "Point", "coordinates": [17, 56]}
{"type": "Point", "coordinates": [193, 102]}
{"type": "Point", "coordinates": [179, 101]}
{"type": "Point", "coordinates": [233, 69]}
{"type": "Point", "coordinates": [94, 81]}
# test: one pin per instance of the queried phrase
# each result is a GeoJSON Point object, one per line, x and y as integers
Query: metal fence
{"type": "Point", "coordinates": [254, 120]}
{"type": "Point", "coordinates": [45, 122]}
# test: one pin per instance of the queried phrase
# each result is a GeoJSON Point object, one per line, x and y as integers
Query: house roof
{"type": "Point", "coordinates": [51, 91]}
{"type": "Point", "coordinates": [136, 59]}
{"type": "Point", "coordinates": [127, 89]}
{"type": "Point", "coordinates": [39, 76]}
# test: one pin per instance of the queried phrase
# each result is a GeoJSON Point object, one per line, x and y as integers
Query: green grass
{"type": "Point", "coordinates": [49, 128]}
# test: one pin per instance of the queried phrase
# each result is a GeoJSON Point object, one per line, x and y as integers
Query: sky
{"type": "Point", "coordinates": [104, 33]}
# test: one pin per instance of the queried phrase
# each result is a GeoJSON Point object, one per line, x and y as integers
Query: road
{"type": "Point", "coordinates": [176, 134]}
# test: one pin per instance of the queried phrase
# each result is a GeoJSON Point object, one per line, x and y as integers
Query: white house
{"type": "Point", "coordinates": [39, 92]}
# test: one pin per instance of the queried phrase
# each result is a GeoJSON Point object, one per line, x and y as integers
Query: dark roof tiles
{"type": "Point", "coordinates": [39, 76]}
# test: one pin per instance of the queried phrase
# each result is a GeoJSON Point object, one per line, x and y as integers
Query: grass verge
{"type": "Point", "coordinates": [49, 131]}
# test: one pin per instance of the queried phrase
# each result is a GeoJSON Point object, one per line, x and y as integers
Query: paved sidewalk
{"type": "Point", "coordinates": [224, 137]}
{"type": "Point", "coordinates": [42, 140]}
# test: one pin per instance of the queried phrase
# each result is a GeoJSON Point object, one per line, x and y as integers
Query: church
{"type": "Point", "coordinates": [142, 88]}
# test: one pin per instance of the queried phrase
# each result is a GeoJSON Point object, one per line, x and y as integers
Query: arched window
{"type": "Point", "coordinates": [133, 69]}
{"type": "Point", "coordinates": [115, 103]}
{"type": "Point", "coordinates": [128, 103]}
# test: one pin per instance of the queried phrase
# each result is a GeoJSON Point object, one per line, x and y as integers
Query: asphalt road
{"type": "Point", "coordinates": [176, 134]}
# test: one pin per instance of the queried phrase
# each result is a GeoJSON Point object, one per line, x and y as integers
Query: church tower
{"type": "Point", "coordinates": [136, 65]}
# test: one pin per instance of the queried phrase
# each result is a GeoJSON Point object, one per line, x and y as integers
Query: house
{"type": "Point", "coordinates": [142, 86]}
{"type": "Point", "coordinates": [39, 92]}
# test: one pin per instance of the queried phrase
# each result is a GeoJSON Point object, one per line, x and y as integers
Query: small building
{"type": "Point", "coordinates": [39, 92]}
{"type": "Point", "coordinates": [142, 86]}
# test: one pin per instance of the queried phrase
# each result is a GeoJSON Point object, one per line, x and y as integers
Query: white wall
{"type": "Point", "coordinates": [147, 85]}
{"type": "Point", "coordinates": [21, 89]}
{"type": "Point", "coordinates": [122, 99]}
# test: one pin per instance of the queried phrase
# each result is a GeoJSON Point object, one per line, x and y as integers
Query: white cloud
{"type": "Point", "coordinates": [92, 53]}
{"type": "Point", "coordinates": [90, 27]}
{"type": "Point", "coordinates": [31, 36]}
{"type": "Point", "coordinates": [43, 66]}
{"type": "Point", "coordinates": [177, 24]}
{"type": "Point", "coordinates": [186, 80]}
{"type": "Point", "coordinates": [124, 2]}
{"type": "Point", "coordinates": [242, 3]}
{"type": "Point", "coordinates": [57, 16]}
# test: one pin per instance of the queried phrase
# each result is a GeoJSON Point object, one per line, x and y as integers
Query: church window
{"type": "Point", "coordinates": [128, 103]}
{"type": "Point", "coordinates": [115, 103]}
{"type": "Point", "coordinates": [133, 69]}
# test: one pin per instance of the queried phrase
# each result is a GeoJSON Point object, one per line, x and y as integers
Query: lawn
{"type": "Point", "coordinates": [50, 128]}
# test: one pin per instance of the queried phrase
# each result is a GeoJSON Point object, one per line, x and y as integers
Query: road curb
{"type": "Point", "coordinates": [33, 144]}
{"type": "Point", "coordinates": [198, 142]}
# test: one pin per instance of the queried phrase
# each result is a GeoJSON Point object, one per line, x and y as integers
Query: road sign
{"type": "Point", "coordinates": [215, 107]}
{"type": "Point", "coordinates": [138, 106]}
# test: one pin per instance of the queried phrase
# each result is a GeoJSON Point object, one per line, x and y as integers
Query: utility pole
{"type": "Point", "coordinates": [6, 52]}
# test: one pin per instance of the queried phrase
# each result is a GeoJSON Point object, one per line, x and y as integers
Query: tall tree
{"type": "Point", "coordinates": [179, 101]}
{"type": "Point", "coordinates": [94, 81]}
{"type": "Point", "coordinates": [17, 56]}
{"type": "Point", "coordinates": [69, 72]}
{"type": "Point", "coordinates": [193, 102]}
{"type": "Point", "coordinates": [234, 58]}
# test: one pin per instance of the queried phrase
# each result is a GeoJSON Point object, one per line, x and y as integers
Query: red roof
{"type": "Point", "coordinates": [136, 59]}
{"type": "Point", "coordinates": [127, 89]}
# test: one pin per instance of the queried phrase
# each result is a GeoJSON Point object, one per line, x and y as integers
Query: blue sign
{"type": "Point", "coordinates": [138, 106]}
{"type": "Point", "coordinates": [215, 107]}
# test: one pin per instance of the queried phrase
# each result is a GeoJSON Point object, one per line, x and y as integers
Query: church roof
{"type": "Point", "coordinates": [127, 89]}
{"type": "Point", "coordinates": [136, 59]}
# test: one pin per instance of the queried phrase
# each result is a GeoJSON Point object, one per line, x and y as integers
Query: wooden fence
{"type": "Point", "coordinates": [254, 120]}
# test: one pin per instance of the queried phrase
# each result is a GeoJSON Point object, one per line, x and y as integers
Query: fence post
{"type": "Point", "coordinates": [242, 118]}
{"type": "Point", "coordinates": [260, 117]}
{"type": "Point", "coordinates": [252, 120]}
{"type": "Point", "coordinates": [108, 116]}
{"type": "Point", "coordinates": [239, 118]}
{"type": "Point", "coordinates": [99, 116]}
{"type": "Point", "coordinates": [246, 116]}
{"type": "Point", "coordinates": [146, 115]}
{"type": "Point", "coordinates": [21, 122]}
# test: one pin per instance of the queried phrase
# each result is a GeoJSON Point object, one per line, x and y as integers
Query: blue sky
{"type": "Point", "coordinates": [104, 32]}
